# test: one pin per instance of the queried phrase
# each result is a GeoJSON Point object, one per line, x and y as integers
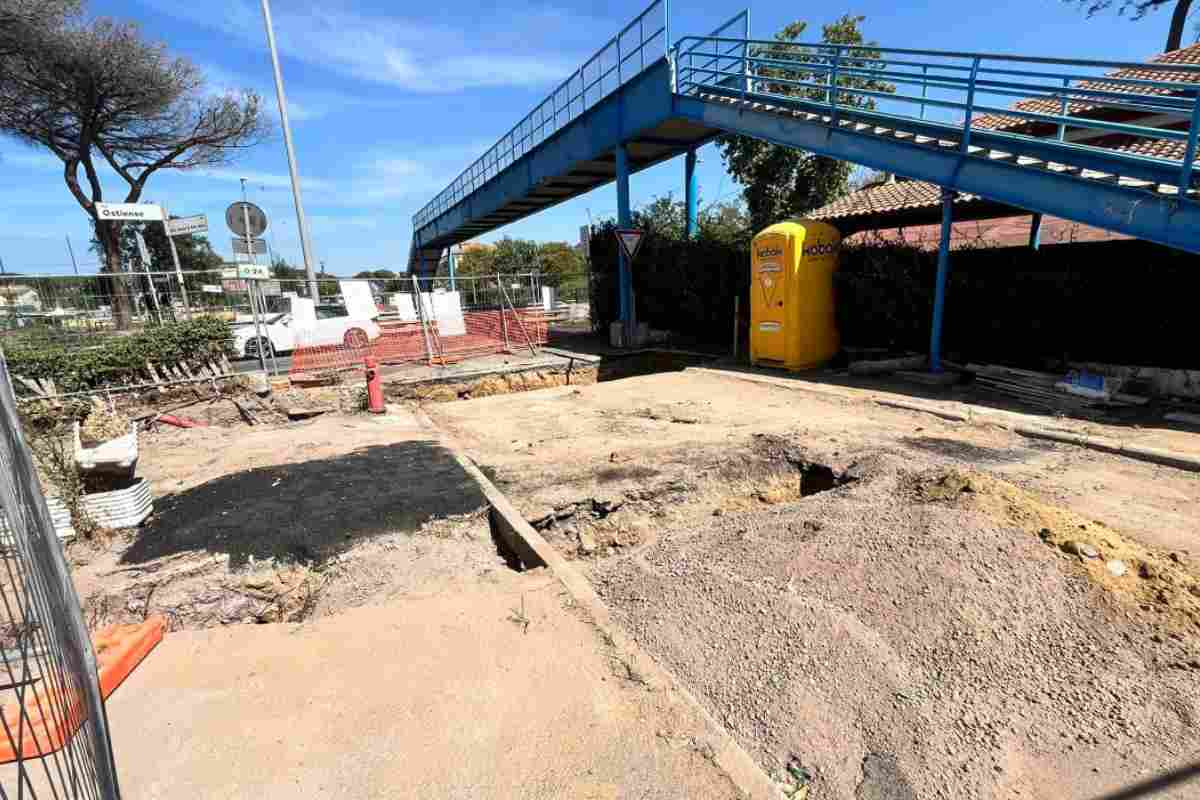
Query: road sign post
{"type": "Point", "coordinates": [182, 226]}
{"type": "Point", "coordinates": [629, 240]}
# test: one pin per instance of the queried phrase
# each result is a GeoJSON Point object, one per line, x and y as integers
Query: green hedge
{"type": "Point", "coordinates": [1122, 301]}
{"type": "Point", "coordinates": [119, 359]}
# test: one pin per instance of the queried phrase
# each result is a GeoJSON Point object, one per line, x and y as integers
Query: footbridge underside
{"type": "Point", "coordinates": [922, 114]}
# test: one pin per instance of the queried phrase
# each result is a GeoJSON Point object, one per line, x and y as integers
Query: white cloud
{"type": "Point", "coordinates": [266, 180]}
{"type": "Point", "coordinates": [415, 56]}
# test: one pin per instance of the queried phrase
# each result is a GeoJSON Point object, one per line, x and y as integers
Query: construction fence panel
{"type": "Point", "coordinates": [432, 321]}
{"type": "Point", "coordinates": [83, 309]}
{"type": "Point", "coordinates": [54, 739]}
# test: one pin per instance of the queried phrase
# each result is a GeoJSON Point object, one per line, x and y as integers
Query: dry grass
{"type": "Point", "coordinates": [103, 424]}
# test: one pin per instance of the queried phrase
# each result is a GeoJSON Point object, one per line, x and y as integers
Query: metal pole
{"type": "Point", "coordinates": [691, 193]}
{"type": "Point", "coordinates": [250, 283]}
{"type": "Point", "coordinates": [503, 321]}
{"type": "Point", "coordinates": [624, 220]}
{"type": "Point", "coordinates": [70, 250]}
{"type": "Point", "coordinates": [187, 307]}
{"type": "Point", "coordinates": [736, 301]}
{"type": "Point", "coordinates": [943, 271]}
{"type": "Point", "coordinates": [305, 242]}
{"type": "Point", "coordinates": [1035, 231]}
{"type": "Point", "coordinates": [450, 261]}
{"type": "Point", "coordinates": [258, 337]}
{"type": "Point", "coordinates": [421, 319]}
{"type": "Point", "coordinates": [144, 254]}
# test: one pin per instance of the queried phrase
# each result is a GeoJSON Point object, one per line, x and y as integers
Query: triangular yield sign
{"type": "Point", "coordinates": [630, 239]}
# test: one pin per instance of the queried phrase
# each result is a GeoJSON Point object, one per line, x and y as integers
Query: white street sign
{"type": "Point", "coordinates": [184, 226]}
{"type": "Point", "coordinates": [260, 246]}
{"type": "Point", "coordinates": [209, 288]}
{"type": "Point", "coordinates": [129, 212]}
{"type": "Point", "coordinates": [245, 271]}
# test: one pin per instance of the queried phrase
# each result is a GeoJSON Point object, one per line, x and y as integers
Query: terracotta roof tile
{"type": "Point", "coordinates": [1053, 105]}
{"type": "Point", "coordinates": [886, 198]}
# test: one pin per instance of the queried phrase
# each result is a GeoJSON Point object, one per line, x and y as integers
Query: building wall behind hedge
{"type": "Point", "coordinates": [1126, 301]}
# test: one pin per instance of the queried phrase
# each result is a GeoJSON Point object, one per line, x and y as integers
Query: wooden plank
{"type": "Point", "coordinates": [153, 372]}
{"type": "Point", "coordinates": [31, 385]}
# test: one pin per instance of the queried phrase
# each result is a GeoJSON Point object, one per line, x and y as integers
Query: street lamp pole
{"type": "Point", "coordinates": [305, 242]}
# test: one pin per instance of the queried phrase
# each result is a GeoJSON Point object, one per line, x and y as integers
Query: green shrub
{"type": "Point", "coordinates": [120, 359]}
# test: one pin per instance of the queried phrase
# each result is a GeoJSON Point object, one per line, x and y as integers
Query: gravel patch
{"type": "Point", "coordinates": [889, 643]}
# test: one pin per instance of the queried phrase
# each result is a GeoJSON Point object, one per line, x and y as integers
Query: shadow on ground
{"type": "Point", "coordinates": [973, 453]}
{"type": "Point", "coordinates": [310, 511]}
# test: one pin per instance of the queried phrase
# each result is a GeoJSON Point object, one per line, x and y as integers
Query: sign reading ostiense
{"type": "Point", "coordinates": [129, 212]}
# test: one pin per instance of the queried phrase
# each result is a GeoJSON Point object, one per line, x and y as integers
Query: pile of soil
{"type": "Point", "coordinates": [917, 632]}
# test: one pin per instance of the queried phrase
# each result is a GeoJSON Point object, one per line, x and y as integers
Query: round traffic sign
{"type": "Point", "coordinates": [238, 213]}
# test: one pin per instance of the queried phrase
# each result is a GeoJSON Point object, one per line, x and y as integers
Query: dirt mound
{"type": "Point", "coordinates": [1164, 585]}
{"type": "Point", "coordinates": [914, 620]}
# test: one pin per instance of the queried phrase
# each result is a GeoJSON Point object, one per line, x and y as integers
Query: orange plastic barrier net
{"type": "Point", "coordinates": [50, 713]}
{"type": "Point", "coordinates": [484, 333]}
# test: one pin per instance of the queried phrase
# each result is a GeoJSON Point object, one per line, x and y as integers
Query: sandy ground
{"type": "Point", "coordinates": [443, 695]}
{"type": "Point", "coordinates": [283, 522]}
{"type": "Point", "coordinates": [925, 629]}
{"type": "Point", "coordinates": [400, 655]}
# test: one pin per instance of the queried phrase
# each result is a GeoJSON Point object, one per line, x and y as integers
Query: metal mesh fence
{"type": "Point", "coordinates": [54, 741]}
{"type": "Point", "coordinates": [436, 321]}
{"type": "Point", "coordinates": [82, 308]}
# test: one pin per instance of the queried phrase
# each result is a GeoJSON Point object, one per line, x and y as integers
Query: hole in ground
{"type": "Point", "coordinates": [647, 362]}
{"type": "Point", "coordinates": [503, 540]}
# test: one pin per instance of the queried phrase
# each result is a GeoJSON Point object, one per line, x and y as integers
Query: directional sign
{"type": "Point", "coordinates": [246, 271]}
{"type": "Point", "coordinates": [185, 226]}
{"type": "Point", "coordinates": [210, 288]}
{"type": "Point", "coordinates": [242, 246]}
{"type": "Point", "coordinates": [630, 239]}
{"type": "Point", "coordinates": [237, 215]}
{"type": "Point", "coordinates": [129, 212]}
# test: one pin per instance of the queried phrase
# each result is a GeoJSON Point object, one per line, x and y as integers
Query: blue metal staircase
{"type": "Point", "coordinates": [633, 105]}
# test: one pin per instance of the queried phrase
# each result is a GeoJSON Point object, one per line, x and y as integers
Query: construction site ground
{"type": "Point", "coordinates": [401, 656]}
{"type": "Point", "coordinates": [874, 602]}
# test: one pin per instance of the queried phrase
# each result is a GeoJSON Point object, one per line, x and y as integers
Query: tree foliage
{"type": "Point", "coordinates": [385, 280]}
{"type": "Point", "coordinates": [666, 217]}
{"type": "Point", "coordinates": [23, 23]}
{"type": "Point", "coordinates": [781, 182]}
{"type": "Point", "coordinates": [1138, 9]}
{"type": "Point", "coordinates": [509, 256]}
{"type": "Point", "coordinates": [297, 279]}
{"type": "Point", "coordinates": [96, 91]}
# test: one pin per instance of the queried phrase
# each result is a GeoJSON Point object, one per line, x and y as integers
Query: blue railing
{"type": "Point", "coordinates": [963, 88]}
{"type": "Point", "coordinates": [623, 57]}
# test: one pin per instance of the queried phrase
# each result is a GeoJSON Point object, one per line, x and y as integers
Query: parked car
{"type": "Point", "coordinates": [280, 333]}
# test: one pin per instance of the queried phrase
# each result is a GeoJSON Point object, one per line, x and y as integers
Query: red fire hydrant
{"type": "Point", "coordinates": [374, 386]}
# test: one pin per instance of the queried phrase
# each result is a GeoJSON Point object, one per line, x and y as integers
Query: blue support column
{"type": "Point", "coordinates": [1035, 232]}
{"type": "Point", "coordinates": [691, 191]}
{"type": "Point", "coordinates": [624, 220]}
{"type": "Point", "coordinates": [451, 264]}
{"type": "Point", "coordinates": [943, 272]}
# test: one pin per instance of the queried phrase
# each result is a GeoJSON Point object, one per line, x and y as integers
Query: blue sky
{"type": "Point", "coordinates": [389, 101]}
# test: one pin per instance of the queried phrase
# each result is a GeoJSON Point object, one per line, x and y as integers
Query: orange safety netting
{"type": "Point", "coordinates": [486, 333]}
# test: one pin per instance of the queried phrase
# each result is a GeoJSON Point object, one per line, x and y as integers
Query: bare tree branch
{"type": "Point", "coordinates": [80, 88]}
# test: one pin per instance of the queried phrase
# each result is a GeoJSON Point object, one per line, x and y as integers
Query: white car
{"type": "Point", "coordinates": [282, 333]}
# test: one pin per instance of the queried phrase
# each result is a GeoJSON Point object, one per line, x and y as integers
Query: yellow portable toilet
{"type": "Point", "coordinates": [792, 323]}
